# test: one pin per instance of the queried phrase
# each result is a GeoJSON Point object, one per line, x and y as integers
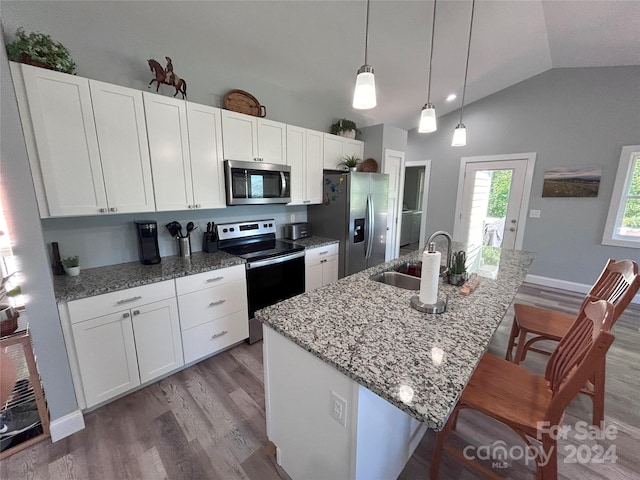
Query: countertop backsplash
{"type": "Point", "coordinates": [103, 240]}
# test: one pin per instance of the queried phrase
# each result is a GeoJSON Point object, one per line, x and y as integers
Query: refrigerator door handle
{"type": "Point", "coordinates": [370, 226]}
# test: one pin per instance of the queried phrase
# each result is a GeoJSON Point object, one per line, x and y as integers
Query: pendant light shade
{"type": "Point", "coordinates": [364, 96]}
{"type": "Point", "coordinates": [428, 119]}
{"type": "Point", "coordinates": [459, 136]}
{"type": "Point", "coordinates": [428, 115]}
{"type": "Point", "coordinates": [460, 133]}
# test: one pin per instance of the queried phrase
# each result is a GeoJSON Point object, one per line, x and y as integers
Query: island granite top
{"type": "Point", "coordinates": [418, 362]}
{"type": "Point", "coordinates": [312, 242]}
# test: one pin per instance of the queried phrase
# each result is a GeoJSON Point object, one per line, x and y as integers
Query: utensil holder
{"type": "Point", "coordinates": [184, 246]}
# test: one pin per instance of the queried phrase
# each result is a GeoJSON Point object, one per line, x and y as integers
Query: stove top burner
{"type": "Point", "coordinates": [261, 249]}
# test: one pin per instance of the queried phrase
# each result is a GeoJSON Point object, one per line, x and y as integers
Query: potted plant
{"type": "Point", "coordinates": [344, 128]}
{"type": "Point", "coordinates": [41, 50]}
{"type": "Point", "coordinates": [458, 268]}
{"type": "Point", "coordinates": [72, 266]}
{"type": "Point", "coordinates": [351, 162]}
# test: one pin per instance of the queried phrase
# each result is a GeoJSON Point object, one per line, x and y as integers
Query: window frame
{"type": "Point", "coordinates": [618, 200]}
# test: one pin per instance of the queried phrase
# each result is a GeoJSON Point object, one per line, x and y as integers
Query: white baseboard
{"type": "Point", "coordinates": [68, 425]}
{"type": "Point", "coordinates": [565, 285]}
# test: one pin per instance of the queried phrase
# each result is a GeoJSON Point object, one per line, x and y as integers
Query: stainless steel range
{"type": "Point", "coordinates": [275, 269]}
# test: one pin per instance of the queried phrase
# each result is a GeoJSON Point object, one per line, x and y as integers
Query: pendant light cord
{"type": "Point", "coordinates": [366, 36]}
{"type": "Point", "coordinates": [466, 68]}
{"type": "Point", "coordinates": [433, 28]}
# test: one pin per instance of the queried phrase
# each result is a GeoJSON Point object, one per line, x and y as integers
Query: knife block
{"type": "Point", "coordinates": [209, 243]}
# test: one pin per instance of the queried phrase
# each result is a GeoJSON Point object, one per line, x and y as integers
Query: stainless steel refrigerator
{"type": "Point", "coordinates": [354, 211]}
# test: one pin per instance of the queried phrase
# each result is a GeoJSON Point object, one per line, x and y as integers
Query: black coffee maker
{"type": "Point", "coordinates": [148, 237]}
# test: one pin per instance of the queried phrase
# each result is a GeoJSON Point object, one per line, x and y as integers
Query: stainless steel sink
{"type": "Point", "coordinates": [413, 268]}
{"type": "Point", "coordinates": [397, 279]}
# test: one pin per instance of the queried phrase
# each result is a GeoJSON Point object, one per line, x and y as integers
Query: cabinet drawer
{"type": "Point", "coordinates": [208, 338]}
{"type": "Point", "coordinates": [210, 279]}
{"type": "Point", "coordinates": [314, 255]}
{"type": "Point", "coordinates": [99, 305]}
{"type": "Point", "coordinates": [206, 305]}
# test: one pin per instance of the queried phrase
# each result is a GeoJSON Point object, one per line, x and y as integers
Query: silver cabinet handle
{"type": "Point", "coordinates": [306, 201]}
{"type": "Point", "coordinates": [103, 210]}
{"type": "Point", "coordinates": [216, 335]}
{"type": "Point", "coordinates": [323, 253]}
{"type": "Point", "coordinates": [113, 209]}
{"type": "Point", "coordinates": [136, 312]}
{"type": "Point", "coordinates": [219, 302]}
{"type": "Point", "coordinates": [215, 279]}
{"type": "Point", "coordinates": [127, 300]}
{"type": "Point", "coordinates": [125, 315]}
{"type": "Point", "coordinates": [190, 206]}
{"type": "Point", "coordinates": [197, 205]}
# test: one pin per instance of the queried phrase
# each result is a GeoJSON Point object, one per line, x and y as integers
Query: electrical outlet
{"type": "Point", "coordinates": [292, 217]}
{"type": "Point", "coordinates": [534, 213]}
{"type": "Point", "coordinates": [338, 409]}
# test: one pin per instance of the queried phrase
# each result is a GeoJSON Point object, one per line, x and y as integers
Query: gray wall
{"type": "Point", "coordinates": [19, 201]}
{"type": "Point", "coordinates": [570, 117]}
{"type": "Point", "coordinates": [378, 137]}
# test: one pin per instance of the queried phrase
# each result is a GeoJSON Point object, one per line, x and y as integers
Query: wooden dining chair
{"type": "Point", "coordinates": [618, 283]}
{"type": "Point", "coordinates": [522, 400]}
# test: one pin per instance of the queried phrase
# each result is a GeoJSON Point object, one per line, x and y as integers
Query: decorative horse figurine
{"type": "Point", "coordinates": [161, 77]}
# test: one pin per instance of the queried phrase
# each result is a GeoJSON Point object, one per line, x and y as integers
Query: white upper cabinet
{"type": "Point", "coordinates": [304, 156]}
{"type": "Point", "coordinates": [122, 141]}
{"type": "Point", "coordinates": [169, 148]}
{"type": "Point", "coordinates": [250, 138]}
{"type": "Point", "coordinates": [68, 159]}
{"type": "Point", "coordinates": [205, 146]}
{"type": "Point", "coordinates": [337, 147]}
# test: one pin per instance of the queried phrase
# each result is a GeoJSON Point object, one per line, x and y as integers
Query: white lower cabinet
{"type": "Point", "coordinates": [213, 311]}
{"type": "Point", "coordinates": [123, 339]}
{"type": "Point", "coordinates": [321, 266]}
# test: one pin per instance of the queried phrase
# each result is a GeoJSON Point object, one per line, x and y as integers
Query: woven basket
{"type": "Point", "coordinates": [243, 102]}
{"type": "Point", "coordinates": [369, 165]}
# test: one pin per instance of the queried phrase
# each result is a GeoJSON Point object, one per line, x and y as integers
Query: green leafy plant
{"type": "Point", "coordinates": [41, 48]}
{"type": "Point", "coordinates": [343, 125]}
{"type": "Point", "coordinates": [71, 262]}
{"type": "Point", "coordinates": [458, 263]}
{"type": "Point", "coordinates": [350, 161]}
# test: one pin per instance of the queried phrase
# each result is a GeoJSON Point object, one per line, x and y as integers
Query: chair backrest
{"type": "Point", "coordinates": [578, 354]}
{"type": "Point", "coordinates": [618, 283]}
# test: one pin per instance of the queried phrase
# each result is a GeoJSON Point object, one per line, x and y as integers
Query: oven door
{"type": "Point", "coordinates": [270, 281]}
{"type": "Point", "coordinates": [254, 183]}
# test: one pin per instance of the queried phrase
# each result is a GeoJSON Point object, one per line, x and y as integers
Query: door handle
{"type": "Point", "coordinates": [283, 184]}
{"type": "Point", "coordinates": [370, 225]}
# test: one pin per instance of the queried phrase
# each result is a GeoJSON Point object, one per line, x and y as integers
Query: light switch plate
{"type": "Point", "coordinates": [534, 213]}
{"type": "Point", "coordinates": [338, 408]}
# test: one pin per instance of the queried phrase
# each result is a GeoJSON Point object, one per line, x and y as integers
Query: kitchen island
{"type": "Point", "coordinates": [354, 376]}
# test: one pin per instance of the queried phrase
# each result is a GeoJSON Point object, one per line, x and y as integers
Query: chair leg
{"type": "Point", "coordinates": [548, 464]}
{"type": "Point", "coordinates": [598, 394]}
{"type": "Point", "coordinates": [440, 438]}
{"type": "Point", "coordinates": [521, 352]}
{"type": "Point", "coordinates": [515, 330]}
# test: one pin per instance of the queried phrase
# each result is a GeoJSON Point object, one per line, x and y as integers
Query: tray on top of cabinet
{"type": "Point", "coordinates": [243, 102]}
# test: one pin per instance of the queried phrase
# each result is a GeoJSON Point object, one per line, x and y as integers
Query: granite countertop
{"type": "Point", "coordinates": [418, 362]}
{"type": "Point", "coordinates": [99, 280]}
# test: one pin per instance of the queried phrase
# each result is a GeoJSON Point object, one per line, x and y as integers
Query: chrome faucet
{"type": "Point", "coordinates": [443, 272]}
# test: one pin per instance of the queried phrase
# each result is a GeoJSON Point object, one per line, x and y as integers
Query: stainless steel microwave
{"type": "Point", "coordinates": [256, 183]}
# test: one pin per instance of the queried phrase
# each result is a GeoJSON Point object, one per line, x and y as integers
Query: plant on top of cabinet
{"type": "Point", "coordinates": [40, 50]}
{"type": "Point", "coordinates": [344, 128]}
{"type": "Point", "coordinates": [351, 162]}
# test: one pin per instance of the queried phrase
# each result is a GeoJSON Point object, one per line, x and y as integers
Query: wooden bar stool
{"type": "Point", "coordinates": [521, 399]}
{"type": "Point", "coordinates": [618, 283]}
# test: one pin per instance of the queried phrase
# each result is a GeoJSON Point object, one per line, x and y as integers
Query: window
{"type": "Point", "coordinates": [623, 221]}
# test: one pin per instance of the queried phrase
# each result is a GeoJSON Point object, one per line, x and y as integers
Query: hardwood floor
{"type": "Point", "coordinates": [208, 422]}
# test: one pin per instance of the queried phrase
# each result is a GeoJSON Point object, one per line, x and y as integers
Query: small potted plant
{"type": "Point", "coordinates": [351, 162]}
{"type": "Point", "coordinates": [40, 50]}
{"type": "Point", "coordinates": [344, 128]}
{"type": "Point", "coordinates": [72, 266]}
{"type": "Point", "coordinates": [458, 268]}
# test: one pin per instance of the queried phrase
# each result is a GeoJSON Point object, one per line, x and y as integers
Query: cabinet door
{"type": "Point", "coordinates": [65, 135]}
{"type": "Point", "coordinates": [330, 270]}
{"type": "Point", "coordinates": [240, 136]}
{"type": "Point", "coordinates": [124, 151]}
{"type": "Point", "coordinates": [353, 147]}
{"type": "Point", "coordinates": [332, 151]}
{"type": "Point", "coordinates": [106, 356]}
{"type": "Point", "coordinates": [312, 276]}
{"type": "Point", "coordinates": [158, 342]}
{"type": "Point", "coordinates": [169, 149]}
{"type": "Point", "coordinates": [313, 170]}
{"type": "Point", "coordinates": [205, 148]}
{"type": "Point", "coordinates": [296, 148]}
{"type": "Point", "coordinates": [272, 141]}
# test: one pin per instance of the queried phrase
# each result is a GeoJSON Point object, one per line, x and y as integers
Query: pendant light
{"type": "Point", "coordinates": [460, 133]}
{"type": "Point", "coordinates": [364, 96]}
{"type": "Point", "coordinates": [428, 115]}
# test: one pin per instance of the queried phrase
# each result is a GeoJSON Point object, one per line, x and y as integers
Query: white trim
{"type": "Point", "coordinates": [530, 157]}
{"type": "Point", "coordinates": [623, 177]}
{"type": "Point", "coordinates": [425, 196]}
{"type": "Point", "coordinates": [565, 285]}
{"type": "Point", "coordinates": [68, 425]}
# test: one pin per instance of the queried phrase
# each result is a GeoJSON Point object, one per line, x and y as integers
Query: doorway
{"type": "Point", "coordinates": [414, 205]}
{"type": "Point", "coordinates": [394, 167]}
{"type": "Point", "coordinates": [493, 195]}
